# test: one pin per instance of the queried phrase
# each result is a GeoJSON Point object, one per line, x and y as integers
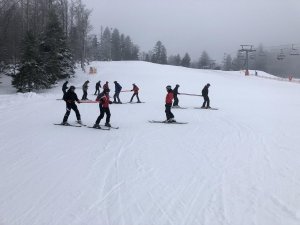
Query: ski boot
{"type": "Point", "coordinates": [65, 123]}
{"type": "Point", "coordinates": [79, 122]}
{"type": "Point", "coordinates": [107, 125]}
{"type": "Point", "coordinates": [97, 126]}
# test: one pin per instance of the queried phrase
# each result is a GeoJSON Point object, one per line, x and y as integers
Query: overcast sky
{"type": "Point", "coordinates": [217, 26]}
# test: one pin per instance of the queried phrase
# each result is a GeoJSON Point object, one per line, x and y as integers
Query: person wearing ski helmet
{"type": "Point", "coordinates": [175, 93]}
{"type": "Point", "coordinates": [205, 96]}
{"type": "Point", "coordinates": [168, 105]}
{"type": "Point", "coordinates": [70, 98]}
{"type": "Point", "coordinates": [104, 109]}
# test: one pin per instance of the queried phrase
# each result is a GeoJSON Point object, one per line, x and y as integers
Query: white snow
{"type": "Point", "coordinates": [238, 165]}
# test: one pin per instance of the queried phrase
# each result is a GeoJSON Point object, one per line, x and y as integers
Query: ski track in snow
{"type": "Point", "coordinates": [233, 166]}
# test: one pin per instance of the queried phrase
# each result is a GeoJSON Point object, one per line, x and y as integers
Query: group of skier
{"type": "Point", "coordinates": [103, 98]}
{"type": "Point", "coordinates": [172, 95]}
{"type": "Point", "coordinates": [70, 97]}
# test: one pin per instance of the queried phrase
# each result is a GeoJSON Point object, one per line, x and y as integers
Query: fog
{"type": "Point", "coordinates": [217, 26]}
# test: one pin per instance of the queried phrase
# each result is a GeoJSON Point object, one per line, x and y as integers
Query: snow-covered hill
{"type": "Point", "coordinates": [238, 165]}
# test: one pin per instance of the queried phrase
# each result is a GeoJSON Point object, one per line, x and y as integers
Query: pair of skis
{"type": "Point", "coordinates": [83, 125]}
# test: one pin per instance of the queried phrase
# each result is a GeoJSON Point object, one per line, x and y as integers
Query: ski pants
{"type": "Point", "coordinates": [84, 96]}
{"type": "Point", "coordinates": [97, 91]}
{"type": "Point", "coordinates": [169, 114]}
{"type": "Point", "coordinates": [206, 101]}
{"type": "Point", "coordinates": [176, 101]}
{"type": "Point", "coordinates": [137, 96]}
{"type": "Point", "coordinates": [116, 97]}
{"type": "Point", "coordinates": [102, 112]}
{"type": "Point", "coordinates": [70, 106]}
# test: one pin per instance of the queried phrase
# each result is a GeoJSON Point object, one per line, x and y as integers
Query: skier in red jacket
{"type": "Point", "coordinates": [169, 99]}
{"type": "Point", "coordinates": [104, 109]}
{"type": "Point", "coordinates": [135, 90]}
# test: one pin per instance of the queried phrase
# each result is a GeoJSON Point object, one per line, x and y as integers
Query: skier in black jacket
{"type": "Point", "coordinates": [70, 97]}
{"type": "Point", "coordinates": [175, 93]}
{"type": "Point", "coordinates": [118, 89]}
{"type": "Point", "coordinates": [205, 96]}
{"type": "Point", "coordinates": [98, 85]}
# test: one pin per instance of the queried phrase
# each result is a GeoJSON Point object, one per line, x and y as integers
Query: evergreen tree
{"type": "Point", "coordinates": [56, 56]}
{"type": "Point", "coordinates": [127, 53]}
{"type": "Point", "coordinates": [228, 63]}
{"type": "Point", "coordinates": [186, 60]}
{"type": "Point", "coordinates": [115, 45]}
{"type": "Point", "coordinates": [204, 61]}
{"type": "Point", "coordinates": [159, 54]}
{"type": "Point", "coordinates": [31, 74]}
{"type": "Point", "coordinates": [105, 46]}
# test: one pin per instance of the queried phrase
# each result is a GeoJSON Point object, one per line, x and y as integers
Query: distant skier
{"type": "Point", "coordinates": [104, 108]}
{"type": "Point", "coordinates": [118, 89]}
{"type": "Point", "coordinates": [105, 86]}
{"type": "Point", "coordinates": [168, 105]}
{"type": "Point", "coordinates": [97, 87]}
{"type": "Point", "coordinates": [135, 90]}
{"type": "Point", "coordinates": [205, 96]}
{"type": "Point", "coordinates": [84, 89]}
{"type": "Point", "coordinates": [70, 97]}
{"type": "Point", "coordinates": [65, 87]}
{"type": "Point", "coordinates": [175, 93]}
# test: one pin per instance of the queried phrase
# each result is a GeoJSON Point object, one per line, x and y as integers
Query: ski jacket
{"type": "Point", "coordinates": [70, 97]}
{"type": "Point", "coordinates": [118, 87]}
{"type": "Point", "coordinates": [175, 90]}
{"type": "Point", "coordinates": [105, 86]}
{"type": "Point", "coordinates": [135, 89]}
{"type": "Point", "coordinates": [64, 87]}
{"type": "Point", "coordinates": [85, 86]}
{"type": "Point", "coordinates": [169, 97]}
{"type": "Point", "coordinates": [205, 91]}
{"type": "Point", "coordinates": [104, 101]}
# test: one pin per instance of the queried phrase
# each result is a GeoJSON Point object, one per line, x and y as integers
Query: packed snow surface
{"type": "Point", "coordinates": [239, 165]}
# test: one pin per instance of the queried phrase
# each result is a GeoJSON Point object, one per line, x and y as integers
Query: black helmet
{"type": "Point", "coordinates": [169, 87]}
{"type": "Point", "coordinates": [208, 84]}
{"type": "Point", "coordinates": [177, 85]}
{"type": "Point", "coordinates": [72, 88]}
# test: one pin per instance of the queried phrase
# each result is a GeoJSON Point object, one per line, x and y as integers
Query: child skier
{"type": "Point", "coordinates": [168, 105]}
{"type": "Point", "coordinates": [205, 96]}
{"type": "Point", "coordinates": [104, 108]}
{"type": "Point", "coordinates": [70, 97]}
{"type": "Point", "coordinates": [98, 86]}
{"type": "Point", "coordinates": [175, 93]}
{"type": "Point", "coordinates": [118, 89]}
{"type": "Point", "coordinates": [84, 89]}
{"type": "Point", "coordinates": [135, 90]}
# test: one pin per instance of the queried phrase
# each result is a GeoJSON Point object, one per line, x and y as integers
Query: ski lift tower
{"type": "Point", "coordinates": [247, 49]}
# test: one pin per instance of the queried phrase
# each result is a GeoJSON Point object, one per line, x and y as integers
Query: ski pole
{"type": "Point", "coordinates": [88, 101]}
{"type": "Point", "coordinates": [126, 91]}
{"type": "Point", "coordinates": [189, 94]}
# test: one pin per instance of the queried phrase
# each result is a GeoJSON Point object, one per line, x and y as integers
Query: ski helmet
{"type": "Point", "coordinates": [169, 87]}
{"type": "Point", "coordinates": [72, 88]}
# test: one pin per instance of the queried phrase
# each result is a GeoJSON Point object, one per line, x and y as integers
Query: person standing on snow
{"type": "Point", "coordinates": [84, 89]}
{"type": "Point", "coordinates": [98, 86]}
{"type": "Point", "coordinates": [70, 97]}
{"type": "Point", "coordinates": [175, 93]}
{"type": "Point", "coordinates": [135, 90]}
{"type": "Point", "coordinates": [168, 105]}
{"type": "Point", "coordinates": [105, 86]}
{"type": "Point", "coordinates": [118, 89]}
{"type": "Point", "coordinates": [65, 87]}
{"type": "Point", "coordinates": [104, 109]}
{"type": "Point", "coordinates": [205, 96]}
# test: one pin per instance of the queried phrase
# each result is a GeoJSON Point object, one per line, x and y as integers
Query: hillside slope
{"type": "Point", "coordinates": [238, 165]}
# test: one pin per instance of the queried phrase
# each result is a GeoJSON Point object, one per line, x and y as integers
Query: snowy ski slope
{"type": "Point", "coordinates": [239, 165]}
